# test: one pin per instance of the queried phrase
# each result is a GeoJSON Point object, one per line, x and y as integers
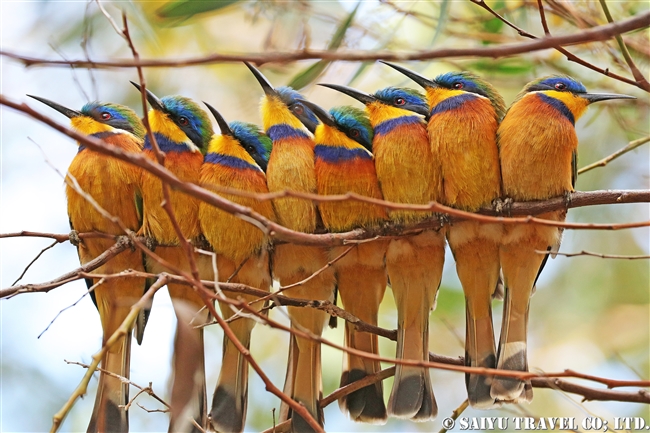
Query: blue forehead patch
{"type": "Point", "coordinates": [180, 108]}
{"type": "Point", "coordinates": [448, 80]}
{"type": "Point", "coordinates": [244, 133]}
{"type": "Point", "coordinates": [571, 84]}
{"type": "Point", "coordinates": [389, 94]}
{"type": "Point", "coordinates": [352, 118]}
{"type": "Point", "coordinates": [289, 96]}
{"type": "Point", "coordinates": [97, 108]}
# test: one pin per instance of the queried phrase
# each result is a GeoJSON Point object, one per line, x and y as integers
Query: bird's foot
{"type": "Point", "coordinates": [74, 238]}
{"type": "Point", "coordinates": [443, 219]}
{"type": "Point", "coordinates": [567, 196]}
{"type": "Point", "coordinates": [150, 243]}
{"type": "Point", "coordinates": [502, 206]}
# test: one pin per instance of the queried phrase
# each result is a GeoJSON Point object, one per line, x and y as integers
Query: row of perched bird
{"type": "Point", "coordinates": [455, 144]}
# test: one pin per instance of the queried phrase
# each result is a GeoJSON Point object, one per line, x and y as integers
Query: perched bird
{"type": "Point", "coordinates": [407, 173]}
{"type": "Point", "coordinates": [182, 130]}
{"type": "Point", "coordinates": [343, 164]}
{"type": "Point", "coordinates": [291, 167]}
{"type": "Point", "coordinates": [538, 151]}
{"type": "Point", "coordinates": [236, 159]}
{"type": "Point", "coordinates": [465, 113]}
{"type": "Point", "coordinates": [113, 185]}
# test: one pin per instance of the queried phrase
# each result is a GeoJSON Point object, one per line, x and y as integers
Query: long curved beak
{"type": "Point", "coordinates": [266, 85]}
{"type": "Point", "coordinates": [596, 97]}
{"type": "Point", "coordinates": [223, 125]}
{"type": "Point", "coordinates": [322, 115]}
{"type": "Point", "coordinates": [60, 108]}
{"type": "Point", "coordinates": [421, 80]}
{"type": "Point", "coordinates": [155, 103]}
{"type": "Point", "coordinates": [362, 97]}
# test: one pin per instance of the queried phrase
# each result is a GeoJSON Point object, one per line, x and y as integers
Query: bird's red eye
{"type": "Point", "coordinates": [298, 109]}
{"type": "Point", "coordinates": [458, 86]}
{"type": "Point", "coordinates": [400, 101]}
{"type": "Point", "coordinates": [560, 86]}
{"type": "Point", "coordinates": [183, 121]}
{"type": "Point", "coordinates": [106, 116]}
{"type": "Point", "coordinates": [354, 133]}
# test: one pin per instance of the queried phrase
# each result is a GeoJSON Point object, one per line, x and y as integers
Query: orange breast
{"type": "Point", "coordinates": [291, 167]}
{"type": "Point", "coordinates": [156, 223]}
{"type": "Point", "coordinates": [536, 145]}
{"type": "Point", "coordinates": [406, 170]}
{"type": "Point", "coordinates": [464, 143]}
{"type": "Point", "coordinates": [356, 175]}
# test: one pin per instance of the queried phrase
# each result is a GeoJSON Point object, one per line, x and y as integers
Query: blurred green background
{"type": "Point", "coordinates": [589, 314]}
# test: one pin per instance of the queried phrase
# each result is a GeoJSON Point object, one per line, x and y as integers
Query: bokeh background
{"type": "Point", "coordinates": [589, 314]}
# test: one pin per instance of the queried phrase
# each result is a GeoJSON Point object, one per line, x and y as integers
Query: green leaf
{"type": "Point", "coordinates": [505, 67]}
{"type": "Point", "coordinates": [188, 8]}
{"type": "Point", "coordinates": [307, 76]}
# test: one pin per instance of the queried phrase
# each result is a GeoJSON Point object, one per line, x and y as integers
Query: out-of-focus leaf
{"type": "Point", "coordinates": [188, 8]}
{"type": "Point", "coordinates": [442, 20]}
{"type": "Point", "coordinates": [504, 67]}
{"type": "Point", "coordinates": [307, 76]}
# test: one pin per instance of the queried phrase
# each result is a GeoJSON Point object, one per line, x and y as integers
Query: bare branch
{"type": "Point", "coordinates": [34, 261]}
{"type": "Point", "coordinates": [595, 34]}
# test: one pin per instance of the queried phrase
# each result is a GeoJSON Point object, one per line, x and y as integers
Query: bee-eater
{"type": "Point", "coordinates": [465, 113]}
{"type": "Point", "coordinates": [291, 167]}
{"type": "Point", "coordinates": [236, 159]}
{"type": "Point", "coordinates": [113, 184]}
{"type": "Point", "coordinates": [343, 164]}
{"type": "Point", "coordinates": [182, 130]}
{"type": "Point", "coordinates": [408, 173]}
{"type": "Point", "coordinates": [538, 151]}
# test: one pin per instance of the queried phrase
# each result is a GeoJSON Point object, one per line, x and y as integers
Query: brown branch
{"type": "Point", "coordinates": [595, 34]}
{"type": "Point", "coordinates": [446, 425]}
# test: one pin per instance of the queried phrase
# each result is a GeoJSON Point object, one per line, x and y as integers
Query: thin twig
{"type": "Point", "coordinates": [123, 330]}
{"type": "Point", "coordinates": [603, 162]}
{"type": "Point", "coordinates": [589, 253]}
{"type": "Point", "coordinates": [34, 261]}
{"type": "Point", "coordinates": [638, 75]}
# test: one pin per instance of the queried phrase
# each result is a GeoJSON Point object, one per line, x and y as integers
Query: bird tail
{"type": "Point", "coordinates": [112, 392]}
{"type": "Point", "coordinates": [361, 290]}
{"type": "Point", "coordinates": [520, 269]}
{"type": "Point", "coordinates": [477, 265]}
{"type": "Point", "coordinates": [306, 381]}
{"type": "Point", "coordinates": [293, 264]}
{"type": "Point", "coordinates": [230, 398]}
{"type": "Point", "coordinates": [415, 270]}
{"type": "Point", "coordinates": [188, 396]}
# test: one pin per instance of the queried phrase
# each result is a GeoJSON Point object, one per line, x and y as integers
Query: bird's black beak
{"type": "Point", "coordinates": [596, 97]}
{"type": "Point", "coordinates": [155, 103]}
{"type": "Point", "coordinates": [223, 125]}
{"type": "Point", "coordinates": [60, 108]}
{"type": "Point", "coordinates": [364, 98]}
{"type": "Point", "coordinates": [266, 85]}
{"type": "Point", "coordinates": [323, 115]}
{"type": "Point", "coordinates": [421, 80]}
